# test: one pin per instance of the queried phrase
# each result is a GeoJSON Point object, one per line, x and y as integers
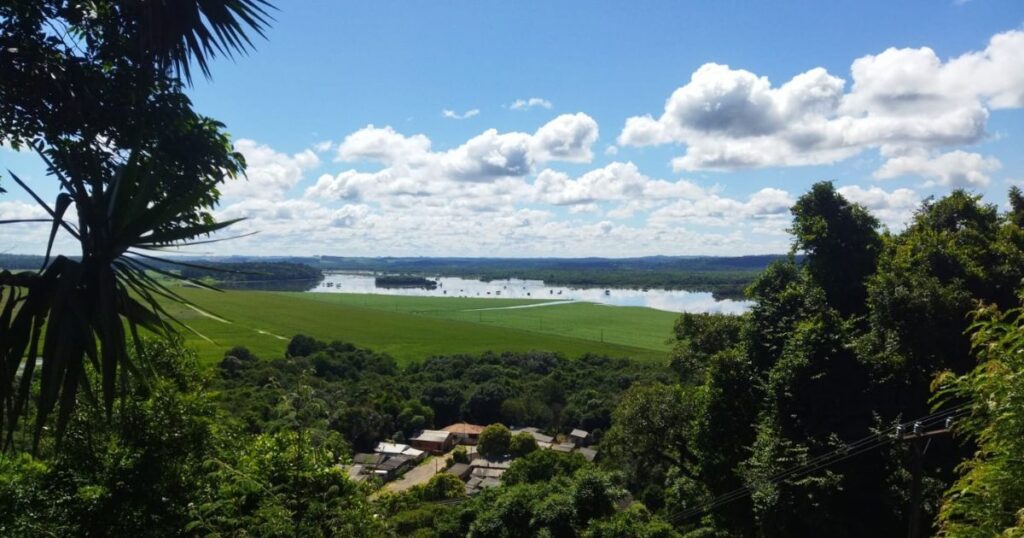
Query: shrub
{"type": "Point", "coordinates": [522, 444]}
{"type": "Point", "coordinates": [494, 441]}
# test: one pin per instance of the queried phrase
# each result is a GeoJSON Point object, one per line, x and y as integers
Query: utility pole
{"type": "Point", "coordinates": [916, 470]}
{"type": "Point", "coordinates": [918, 447]}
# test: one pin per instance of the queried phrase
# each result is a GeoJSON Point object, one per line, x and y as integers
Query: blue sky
{"type": "Point", "coordinates": [656, 127]}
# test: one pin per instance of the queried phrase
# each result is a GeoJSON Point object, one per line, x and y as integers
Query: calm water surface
{"type": "Point", "coordinates": [670, 300]}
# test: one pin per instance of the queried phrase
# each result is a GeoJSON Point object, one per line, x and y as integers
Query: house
{"type": "Point", "coordinates": [588, 453]}
{"type": "Point", "coordinates": [476, 484]}
{"type": "Point", "coordinates": [392, 466]}
{"type": "Point", "coordinates": [487, 473]}
{"type": "Point", "coordinates": [564, 448]}
{"type": "Point", "coordinates": [399, 449]}
{"type": "Point", "coordinates": [465, 433]}
{"type": "Point", "coordinates": [541, 439]}
{"type": "Point", "coordinates": [369, 460]}
{"type": "Point", "coordinates": [489, 483]}
{"type": "Point", "coordinates": [389, 448]}
{"type": "Point", "coordinates": [579, 437]}
{"type": "Point", "coordinates": [461, 470]}
{"type": "Point", "coordinates": [383, 466]}
{"type": "Point", "coordinates": [433, 441]}
{"type": "Point", "coordinates": [481, 463]}
{"type": "Point", "coordinates": [355, 473]}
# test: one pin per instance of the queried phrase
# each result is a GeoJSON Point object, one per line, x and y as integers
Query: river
{"type": "Point", "coordinates": [669, 300]}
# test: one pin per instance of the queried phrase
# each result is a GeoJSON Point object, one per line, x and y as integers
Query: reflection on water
{"type": "Point", "coordinates": [670, 300]}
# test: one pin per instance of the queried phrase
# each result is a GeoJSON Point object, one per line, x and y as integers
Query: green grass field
{"type": "Point", "coordinates": [412, 328]}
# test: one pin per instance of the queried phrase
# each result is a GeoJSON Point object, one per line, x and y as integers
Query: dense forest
{"type": "Point", "coordinates": [875, 388]}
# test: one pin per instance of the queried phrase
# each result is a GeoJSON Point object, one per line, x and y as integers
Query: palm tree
{"type": "Point", "coordinates": [96, 89]}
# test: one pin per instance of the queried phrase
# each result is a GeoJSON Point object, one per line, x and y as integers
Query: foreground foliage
{"type": "Point", "coordinates": [837, 348]}
{"type": "Point", "coordinates": [988, 497]}
{"type": "Point", "coordinates": [93, 89]}
{"type": "Point", "coordinates": [170, 463]}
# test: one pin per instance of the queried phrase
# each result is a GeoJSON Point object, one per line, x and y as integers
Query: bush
{"type": "Point", "coordinates": [494, 441]}
{"type": "Point", "coordinates": [522, 444]}
{"type": "Point", "coordinates": [303, 346]}
{"type": "Point", "coordinates": [459, 455]}
{"type": "Point", "coordinates": [442, 487]}
{"type": "Point", "coordinates": [542, 466]}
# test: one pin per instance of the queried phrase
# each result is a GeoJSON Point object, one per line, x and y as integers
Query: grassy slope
{"type": "Point", "coordinates": [644, 328]}
{"type": "Point", "coordinates": [408, 328]}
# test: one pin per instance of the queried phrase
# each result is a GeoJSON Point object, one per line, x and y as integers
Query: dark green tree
{"type": "Point", "coordinates": [816, 399]}
{"type": "Point", "coordinates": [779, 298]}
{"type": "Point", "coordinates": [522, 444]}
{"type": "Point", "coordinates": [494, 441]}
{"type": "Point", "coordinates": [542, 466]}
{"type": "Point", "coordinates": [698, 337]}
{"type": "Point", "coordinates": [1016, 212]}
{"type": "Point", "coordinates": [955, 252]}
{"type": "Point", "coordinates": [728, 405]}
{"type": "Point", "coordinates": [484, 403]}
{"type": "Point", "coordinates": [840, 243]}
{"type": "Point", "coordinates": [650, 433]}
{"type": "Point", "coordinates": [446, 400]}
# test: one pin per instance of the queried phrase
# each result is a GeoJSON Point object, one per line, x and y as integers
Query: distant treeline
{"type": "Point", "coordinates": [252, 272]}
{"type": "Point", "coordinates": [20, 262]}
{"type": "Point", "coordinates": [647, 263]}
{"type": "Point", "coordinates": [723, 284]}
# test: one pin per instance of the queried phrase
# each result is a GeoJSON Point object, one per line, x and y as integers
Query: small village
{"type": "Point", "coordinates": [454, 450]}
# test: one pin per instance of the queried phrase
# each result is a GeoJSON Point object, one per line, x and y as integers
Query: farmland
{"type": "Point", "coordinates": [411, 328]}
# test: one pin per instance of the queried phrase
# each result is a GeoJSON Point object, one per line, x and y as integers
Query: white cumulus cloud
{"type": "Point", "coordinates": [902, 98]}
{"type": "Point", "coordinates": [954, 169]}
{"type": "Point", "coordinates": [893, 208]}
{"type": "Point", "coordinates": [269, 173]}
{"type": "Point", "coordinates": [412, 169]}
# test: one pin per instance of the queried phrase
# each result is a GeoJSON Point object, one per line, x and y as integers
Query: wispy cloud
{"type": "Point", "coordinates": [527, 104]}
{"type": "Point", "coordinates": [451, 114]}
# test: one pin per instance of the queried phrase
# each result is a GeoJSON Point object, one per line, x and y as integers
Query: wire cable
{"type": "Point", "coordinates": [842, 453]}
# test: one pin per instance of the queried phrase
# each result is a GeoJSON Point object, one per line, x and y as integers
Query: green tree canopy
{"type": "Point", "coordinates": [841, 244]}
{"type": "Point", "coordinates": [987, 498]}
{"type": "Point", "coordinates": [522, 444]}
{"type": "Point", "coordinates": [495, 441]}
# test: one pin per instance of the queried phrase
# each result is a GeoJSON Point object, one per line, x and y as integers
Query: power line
{"type": "Point", "coordinates": [844, 452]}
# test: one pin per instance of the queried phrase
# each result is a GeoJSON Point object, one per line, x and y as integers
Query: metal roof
{"type": "Point", "coordinates": [432, 436]}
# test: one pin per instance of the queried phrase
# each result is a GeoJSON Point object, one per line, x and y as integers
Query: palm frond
{"type": "Point", "coordinates": [85, 305]}
{"type": "Point", "coordinates": [173, 34]}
